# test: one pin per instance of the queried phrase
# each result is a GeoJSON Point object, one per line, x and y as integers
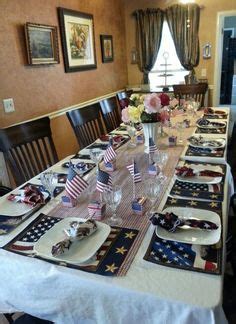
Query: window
{"type": "Point", "coordinates": [174, 68]}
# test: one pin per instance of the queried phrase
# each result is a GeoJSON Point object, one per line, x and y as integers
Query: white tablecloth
{"type": "Point", "coordinates": [149, 293]}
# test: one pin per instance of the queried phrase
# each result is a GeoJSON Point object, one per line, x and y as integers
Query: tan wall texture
{"type": "Point", "coordinates": [39, 90]}
{"type": "Point", "coordinates": [207, 32]}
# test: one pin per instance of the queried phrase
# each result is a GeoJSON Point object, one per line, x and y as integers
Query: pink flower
{"type": "Point", "coordinates": [164, 115]}
{"type": "Point", "coordinates": [152, 103]}
{"type": "Point", "coordinates": [125, 115]}
{"type": "Point", "coordinates": [165, 100]}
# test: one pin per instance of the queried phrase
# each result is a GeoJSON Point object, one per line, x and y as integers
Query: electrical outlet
{"type": "Point", "coordinates": [8, 105]}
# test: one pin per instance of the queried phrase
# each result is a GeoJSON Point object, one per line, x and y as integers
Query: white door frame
{"type": "Point", "coordinates": [218, 53]}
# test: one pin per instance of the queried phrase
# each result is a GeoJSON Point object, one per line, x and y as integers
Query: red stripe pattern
{"type": "Point", "coordinates": [75, 184]}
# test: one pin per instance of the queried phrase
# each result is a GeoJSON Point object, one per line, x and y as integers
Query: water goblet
{"type": "Point", "coordinates": [96, 155]}
{"type": "Point", "coordinates": [49, 181]}
{"type": "Point", "coordinates": [131, 132]}
{"type": "Point", "coordinates": [160, 158]}
{"type": "Point", "coordinates": [180, 126]}
{"type": "Point", "coordinates": [112, 198]}
{"type": "Point", "coordinates": [152, 189]}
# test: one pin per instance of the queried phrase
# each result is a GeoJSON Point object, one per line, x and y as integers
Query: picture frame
{"type": "Point", "coordinates": [107, 48]}
{"type": "Point", "coordinates": [41, 44]}
{"type": "Point", "coordinates": [77, 36]}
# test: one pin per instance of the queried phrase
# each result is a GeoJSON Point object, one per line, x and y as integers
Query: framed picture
{"type": "Point", "coordinates": [107, 48]}
{"type": "Point", "coordinates": [77, 35]}
{"type": "Point", "coordinates": [42, 44]}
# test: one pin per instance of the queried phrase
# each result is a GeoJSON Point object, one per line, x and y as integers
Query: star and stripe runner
{"type": "Point", "coordinates": [133, 169]}
{"type": "Point", "coordinates": [75, 185]}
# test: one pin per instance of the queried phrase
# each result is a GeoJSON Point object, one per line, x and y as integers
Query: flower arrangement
{"type": "Point", "coordinates": [148, 108]}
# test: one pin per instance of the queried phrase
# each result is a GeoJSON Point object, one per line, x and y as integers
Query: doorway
{"type": "Point", "coordinates": [225, 59]}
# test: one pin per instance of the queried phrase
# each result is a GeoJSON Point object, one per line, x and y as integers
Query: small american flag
{"type": "Point", "coordinates": [133, 169]}
{"type": "Point", "coordinates": [75, 184]}
{"type": "Point", "coordinates": [110, 153]}
{"type": "Point", "coordinates": [152, 146]}
{"type": "Point", "coordinates": [103, 181]}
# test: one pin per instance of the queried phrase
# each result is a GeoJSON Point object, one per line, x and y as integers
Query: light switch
{"type": "Point", "coordinates": [8, 105]}
{"type": "Point", "coordinates": [203, 72]}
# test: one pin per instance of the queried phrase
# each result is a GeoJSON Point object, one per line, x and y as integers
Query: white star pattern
{"type": "Point", "coordinates": [206, 225]}
{"type": "Point", "coordinates": [186, 255]}
{"type": "Point", "coordinates": [162, 222]}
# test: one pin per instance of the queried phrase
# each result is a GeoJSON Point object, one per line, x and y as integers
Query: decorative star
{"type": "Point", "coordinates": [3, 231]}
{"type": "Point", "coordinates": [173, 201]}
{"type": "Point", "coordinates": [214, 196]}
{"type": "Point", "coordinates": [162, 222]}
{"type": "Point", "coordinates": [177, 192]}
{"type": "Point", "coordinates": [111, 268]}
{"type": "Point", "coordinates": [130, 235]}
{"type": "Point", "coordinates": [213, 204]}
{"type": "Point", "coordinates": [195, 194]}
{"type": "Point", "coordinates": [192, 203]}
{"type": "Point", "coordinates": [121, 250]}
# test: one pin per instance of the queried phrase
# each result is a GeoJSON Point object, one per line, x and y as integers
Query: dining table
{"type": "Point", "coordinates": [125, 281]}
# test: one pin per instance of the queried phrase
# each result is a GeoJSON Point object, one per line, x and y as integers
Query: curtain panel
{"type": "Point", "coordinates": [183, 21]}
{"type": "Point", "coordinates": [149, 25]}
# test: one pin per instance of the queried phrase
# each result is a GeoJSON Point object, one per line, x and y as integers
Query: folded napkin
{"type": "Point", "coordinates": [203, 142]}
{"type": "Point", "coordinates": [171, 222]}
{"type": "Point", "coordinates": [101, 146]}
{"type": "Point", "coordinates": [76, 232]}
{"type": "Point", "coordinates": [189, 172]}
{"type": "Point", "coordinates": [30, 195]}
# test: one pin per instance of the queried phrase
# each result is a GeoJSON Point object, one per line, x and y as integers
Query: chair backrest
{"type": "Point", "coordinates": [111, 113]}
{"type": "Point", "coordinates": [195, 91]}
{"type": "Point", "coordinates": [87, 124]}
{"type": "Point", "coordinates": [28, 148]}
{"type": "Point", "coordinates": [123, 98]}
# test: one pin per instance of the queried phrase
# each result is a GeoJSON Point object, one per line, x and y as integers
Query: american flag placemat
{"type": "Point", "coordinates": [201, 258]}
{"type": "Point", "coordinates": [107, 261]}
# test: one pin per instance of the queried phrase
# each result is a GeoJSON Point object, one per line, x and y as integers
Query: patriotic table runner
{"type": "Point", "coordinates": [201, 258]}
{"type": "Point", "coordinates": [107, 261]}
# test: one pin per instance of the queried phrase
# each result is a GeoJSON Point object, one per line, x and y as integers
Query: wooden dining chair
{"type": "Point", "coordinates": [87, 123]}
{"type": "Point", "coordinates": [28, 149]}
{"type": "Point", "coordinates": [195, 91]}
{"type": "Point", "coordinates": [111, 113]}
{"type": "Point", "coordinates": [123, 98]}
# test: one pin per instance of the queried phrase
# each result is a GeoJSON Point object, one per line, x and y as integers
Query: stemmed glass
{"type": "Point", "coordinates": [49, 181]}
{"type": "Point", "coordinates": [180, 126]}
{"type": "Point", "coordinates": [131, 132]}
{"type": "Point", "coordinates": [96, 155]}
{"type": "Point", "coordinates": [112, 198]}
{"type": "Point", "coordinates": [160, 158]}
{"type": "Point", "coordinates": [152, 188]}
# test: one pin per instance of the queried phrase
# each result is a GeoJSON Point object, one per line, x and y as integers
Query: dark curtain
{"type": "Point", "coordinates": [149, 24]}
{"type": "Point", "coordinates": [183, 21]}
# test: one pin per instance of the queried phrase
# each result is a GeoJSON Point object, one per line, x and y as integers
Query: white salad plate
{"type": "Point", "coordinates": [14, 208]}
{"type": "Point", "coordinates": [79, 251]}
{"type": "Point", "coordinates": [200, 179]}
{"type": "Point", "coordinates": [205, 144]}
{"type": "Point", "coordinates": [212, 126]}
{"type": "Point", "coordinates": [192, 236]}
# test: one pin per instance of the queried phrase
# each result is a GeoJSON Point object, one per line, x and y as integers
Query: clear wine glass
{"type": "Point", "coordinates": [131, 132]}
{"type": "Point", "coordinates": [112, 198]}
{"type": "Point", "coordinates": [96, 155]}
{"type": "Point", "coordinates": [152, 189]}
{"type": "Point", "coordinates": [161, 158]}
{"type": "Point", "coordinates": [49, 180]}
{"type": "Point", "coordinates": [180, 127]}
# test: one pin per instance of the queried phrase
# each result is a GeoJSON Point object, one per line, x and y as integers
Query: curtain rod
{"type": "Point", "coordinates": [200, 6]}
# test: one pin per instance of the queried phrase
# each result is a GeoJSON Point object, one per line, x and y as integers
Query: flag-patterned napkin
{"type": "Point", "coordinates": [75, 185]}
{"type": "Point", "coordinates": [133, 169]}
{"type": "Point", "coordinates": [196, 151]}
{"type": "Point", "coordinates": [110, 153]}
{"type": "Point", "coordinates": [104, 181]}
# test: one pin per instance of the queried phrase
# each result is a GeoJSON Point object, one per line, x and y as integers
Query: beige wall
{"type": "Point", "coordinates": [207, 32]}
{"type": "Point", "coordinates": [40, 90]}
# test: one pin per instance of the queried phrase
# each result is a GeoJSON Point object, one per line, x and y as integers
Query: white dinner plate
{"type": "Point", "coordinates": [13, 208]}
{"type": "Point", "coordinates": [79, 251]}
{"type": "Point", "coordinates": [200, 179]}
{"type": "Point", "coordinates": [212, 126]}
{"type": "Point", "coordinates": [220, 141]}
{"type": "Point", "coordinates": [192, 236]}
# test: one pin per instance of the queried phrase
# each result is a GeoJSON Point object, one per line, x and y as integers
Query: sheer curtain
{"type": "Point", "coordinates": [149, 24]}
{"type": "Point", "coordinates": [183, 21]}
